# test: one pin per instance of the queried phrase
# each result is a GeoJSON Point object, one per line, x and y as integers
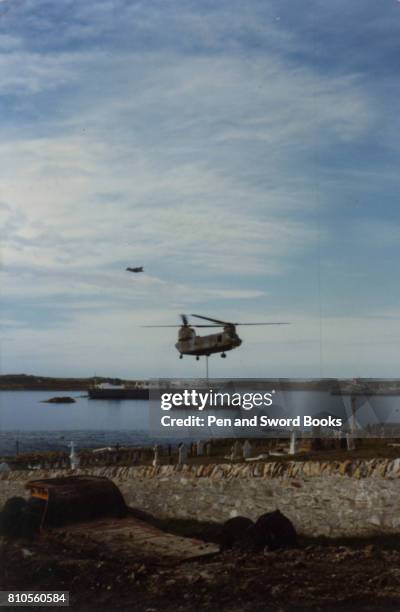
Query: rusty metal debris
{"type": "Point", "coordinates": [77, 498]}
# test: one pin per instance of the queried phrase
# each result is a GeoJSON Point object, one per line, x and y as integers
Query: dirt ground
{"type": "Point", "coordinates": [319, 575]}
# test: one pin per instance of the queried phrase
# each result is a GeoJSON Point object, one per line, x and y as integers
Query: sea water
{"type": "Point", "coordinates": [30, 425]}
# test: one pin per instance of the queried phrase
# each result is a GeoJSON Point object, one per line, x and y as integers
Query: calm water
{"type": "Point", "coordinates": [90, 423]}
{"type": "Point", "coordinates": [39, 426]}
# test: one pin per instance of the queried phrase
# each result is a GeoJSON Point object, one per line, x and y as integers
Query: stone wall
{"type": "Point", "coordinates": [321, 498]}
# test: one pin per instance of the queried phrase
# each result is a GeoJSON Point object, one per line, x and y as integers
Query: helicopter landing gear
{"type": "Point", "coordinates": [181, 356]}
{"type": "Point", "coordinates": [223, 355]}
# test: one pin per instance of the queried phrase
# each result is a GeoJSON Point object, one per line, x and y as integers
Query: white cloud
{"type": "Point", "coordinates": [53, 182]}
{"type": "Point", "coordinates": [202, 164]}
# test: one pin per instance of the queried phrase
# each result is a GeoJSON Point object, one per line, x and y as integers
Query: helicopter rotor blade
{"type": "Point", "coordinates": [195, 325]}
{"type": "Point", "coordinates": [188, 325]}
{"type": "Point", "coordinates": [161, 326]}
{"type": "Point", "coordinates": [210, 319]}
{"type": "Point", "coordinates": [215, 323]}
{"type": "Point", "coordinates": [229, 323]}
{"type": "Point", "coordinates": [271, 323]}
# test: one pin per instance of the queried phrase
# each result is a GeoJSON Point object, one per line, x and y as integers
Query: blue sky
{"type": "Point", "coordinates": [245, 153]}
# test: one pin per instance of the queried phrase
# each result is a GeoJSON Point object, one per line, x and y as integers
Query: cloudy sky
{"type": "Point", "coordinates": [246, 153]}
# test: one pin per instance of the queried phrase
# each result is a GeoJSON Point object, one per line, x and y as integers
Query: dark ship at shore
{"type": "Point", "coordinates": [108, 391]}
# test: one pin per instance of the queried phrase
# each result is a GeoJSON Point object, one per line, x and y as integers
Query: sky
{"type": "Point", "coordinates": [246, 154]}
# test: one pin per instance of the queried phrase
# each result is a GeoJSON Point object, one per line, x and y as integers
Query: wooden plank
{"type": "Point", "coordinates": [130, 536]}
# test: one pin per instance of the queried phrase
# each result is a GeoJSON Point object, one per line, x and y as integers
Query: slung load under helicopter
{"type": "Point", "coordinates": [189, 343]}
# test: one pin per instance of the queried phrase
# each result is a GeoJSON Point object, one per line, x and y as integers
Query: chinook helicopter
{"type": "Point", "coordinates": [189, 343]}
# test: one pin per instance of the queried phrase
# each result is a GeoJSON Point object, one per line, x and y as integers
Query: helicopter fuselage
{"type": "Point", "coordinates": [189, 343]}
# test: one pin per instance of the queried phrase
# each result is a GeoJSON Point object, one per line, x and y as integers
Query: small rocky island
{"type": "Point", "coordinates": [59, 400]}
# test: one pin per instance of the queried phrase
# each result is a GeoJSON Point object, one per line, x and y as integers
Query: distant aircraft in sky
{"type": "Point", "coordinates": [139, 269]}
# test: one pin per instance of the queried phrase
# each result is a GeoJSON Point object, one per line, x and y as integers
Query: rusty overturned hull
{"type": "Point", "coordinates": [76, 498]}
{"type": "Point", "coordinates": [91, 509]}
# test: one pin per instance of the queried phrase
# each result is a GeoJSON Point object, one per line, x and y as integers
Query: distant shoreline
{"type": "Point", "coordinates": [27, 382]}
